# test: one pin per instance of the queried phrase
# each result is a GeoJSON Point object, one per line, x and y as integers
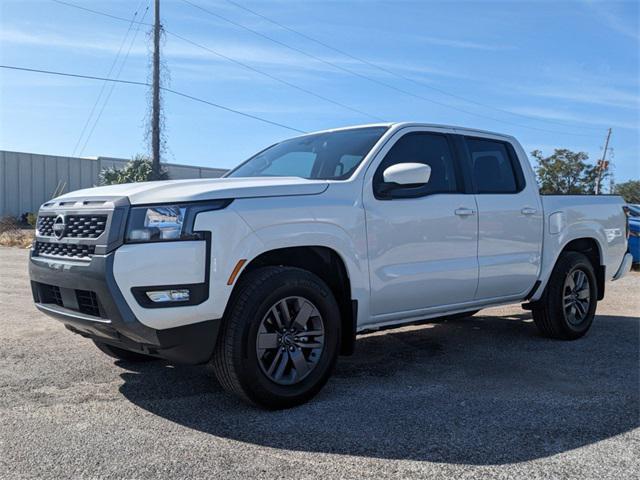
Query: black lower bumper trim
{"type": "Point", "coordinates": [117, 324]}
{"type": "Point", "coordinates": [189, 344]}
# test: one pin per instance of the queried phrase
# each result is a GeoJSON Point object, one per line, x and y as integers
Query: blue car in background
{"type": "Point", "coordinates": [634, 232]}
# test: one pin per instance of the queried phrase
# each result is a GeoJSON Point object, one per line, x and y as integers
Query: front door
{"type": "Point", "coordinates": [422, 240]}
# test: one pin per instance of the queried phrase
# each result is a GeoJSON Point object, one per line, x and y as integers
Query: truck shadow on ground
{"type": "Point", "coordinates": [483, 391]}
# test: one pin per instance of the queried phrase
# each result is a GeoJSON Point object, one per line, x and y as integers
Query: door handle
{"type": "Point", "coordinates": [528, 211]}
{"type": "Point", "coordinates": [464, 212]}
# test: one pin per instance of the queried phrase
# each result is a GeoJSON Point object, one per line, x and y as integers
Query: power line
{"type": "Point", "coordinates": [371, 79]}
{"type": "Point", "coordinates": [277, 79]}
{"type": "Point", "coordinates": [392, 72]}
{"type": "Point", "coordinates": [323, 61]}
{"type": "Point", "coordinates": [113, 85]}
{"type": "Point", "coordinates": [75, 75]}
{"type": "Point", "coordinates": [146, 84]}
{"type": "Point", "coordinates": [104, 14]}
{"type": "Point", "coordinates": [104, 86]}
{"type": "Point", "coordinates": [237, 62]}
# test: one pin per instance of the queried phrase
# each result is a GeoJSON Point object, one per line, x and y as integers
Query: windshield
{"type": "Point", "coordinates": [321, 156]}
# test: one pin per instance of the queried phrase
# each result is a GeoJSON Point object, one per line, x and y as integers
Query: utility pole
{"type": "Point", "coordinates": [155, 108]}
{"type": "Point", "coordinates": [602, 164]}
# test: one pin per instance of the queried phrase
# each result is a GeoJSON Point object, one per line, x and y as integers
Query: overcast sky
{"type": "Point", "coordinates": [554, 74]}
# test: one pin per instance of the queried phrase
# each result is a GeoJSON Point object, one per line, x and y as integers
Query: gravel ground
{"type": "Point", "coordinates": [485, 397]}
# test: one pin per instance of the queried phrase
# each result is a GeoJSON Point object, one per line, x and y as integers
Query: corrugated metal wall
{"type": "Point", "coordinates": [27, 180]}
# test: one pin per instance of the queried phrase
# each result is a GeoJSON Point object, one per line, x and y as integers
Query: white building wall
{"type": "Point", "coordinates": [27, 180]}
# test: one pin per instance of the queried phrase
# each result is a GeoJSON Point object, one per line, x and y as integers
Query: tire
{"type": "Point", "coordinates": [269, 377]}
{"type": "Point", "coordinates": [122, 354]}
{"type": "Point", "coordinates": [552, 313]}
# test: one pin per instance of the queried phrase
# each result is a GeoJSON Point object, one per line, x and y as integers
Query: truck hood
{"type": "Point", "coordinates": [175, 191]}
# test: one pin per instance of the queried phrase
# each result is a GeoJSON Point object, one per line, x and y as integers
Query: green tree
{"type": "Point", "coordinates": [565, 172]}
{"type": "Point", "coordinates": [138, 169]}
{"type": "Point", "coordinates": [630, 191]}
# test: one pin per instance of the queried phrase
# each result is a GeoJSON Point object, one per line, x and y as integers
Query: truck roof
{"type": "Point", "coordinates": [398, 125]}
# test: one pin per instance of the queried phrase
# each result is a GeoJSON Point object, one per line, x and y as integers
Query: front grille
{"type": "Point", "coordinates": [45, 225]}
{"type": "Point", "coordinates": [66, 250]}
{"type": "Point", "coordinates": [74, 229]}
{"type": "Point", "coordinates": [77, 226]}
{"type": "Point", "coordinates": [88, 303]}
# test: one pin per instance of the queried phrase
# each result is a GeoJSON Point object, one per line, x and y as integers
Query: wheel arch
{"type": "Point", "coordinates": [591, 248]}
{"type": "Point", "coordinates": [327, 264]}
{"type": "Point", "coordinates": [588, 245]}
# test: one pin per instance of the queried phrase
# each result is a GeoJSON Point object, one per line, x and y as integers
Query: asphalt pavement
{"type": "Point", "coordinates": [483, 397]}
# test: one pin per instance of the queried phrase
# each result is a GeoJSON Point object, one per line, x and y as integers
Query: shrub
{"type": "Point", "coordinates": [32, 218]}
{"type": "Point", "coordinates": [138, 169]}
{"type": "Point", "coordinates": [28, 218]}
{"type": "Point", "coordinates": [630, 191]}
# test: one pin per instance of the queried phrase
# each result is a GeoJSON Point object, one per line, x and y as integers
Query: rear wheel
{"type": "Point", "coordinates": [568, 306]}
{"type": "Point", "coordinates": [280, 337]}
{"type": "Point", "coordinates": [122, 354]}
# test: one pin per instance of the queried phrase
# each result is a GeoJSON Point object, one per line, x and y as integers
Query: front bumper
{"type": "Point", "coordinates": [108, 318]}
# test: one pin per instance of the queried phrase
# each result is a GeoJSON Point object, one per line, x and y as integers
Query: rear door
{"type": "Point", "coordinates": [510, 218]}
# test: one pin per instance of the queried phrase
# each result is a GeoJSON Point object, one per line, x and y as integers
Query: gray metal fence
{"type": "Point", "coordinates": [27, 180]}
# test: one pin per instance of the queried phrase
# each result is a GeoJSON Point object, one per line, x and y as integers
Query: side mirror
{"type": "Point", "coordinates": [407, 174]}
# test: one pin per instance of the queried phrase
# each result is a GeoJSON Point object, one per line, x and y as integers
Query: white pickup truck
{"type": "Point", "coordinates": [271, 272]}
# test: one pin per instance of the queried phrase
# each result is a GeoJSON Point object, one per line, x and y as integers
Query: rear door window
{"type": "Point", "coordinates": [493, 166]}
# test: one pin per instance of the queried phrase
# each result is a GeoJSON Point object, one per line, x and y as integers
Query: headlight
{"type": "Point", "coordinates": [155, 224]}
{"type": "Point", "coordinates": [161, 223]}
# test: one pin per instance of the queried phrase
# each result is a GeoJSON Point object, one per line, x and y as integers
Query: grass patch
{"type": "Point", "coordinates": [12, 234]}
{"type": "Point", "coordinates": [20, 238]}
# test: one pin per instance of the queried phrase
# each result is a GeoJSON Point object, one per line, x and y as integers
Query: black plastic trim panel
{"type": "Point", "coordinates": [117, 325]}
{"type": "Point", "coordinates": [198, 293]}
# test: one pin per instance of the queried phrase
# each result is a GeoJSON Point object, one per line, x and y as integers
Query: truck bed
{"type": "Point", "coordinates": [597, 217]}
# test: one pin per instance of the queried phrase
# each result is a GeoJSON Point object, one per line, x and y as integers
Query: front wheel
{"type": "Point", "coordinates": [280, 337]}
{"type": "Point", "coordinates": [568, 306]}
